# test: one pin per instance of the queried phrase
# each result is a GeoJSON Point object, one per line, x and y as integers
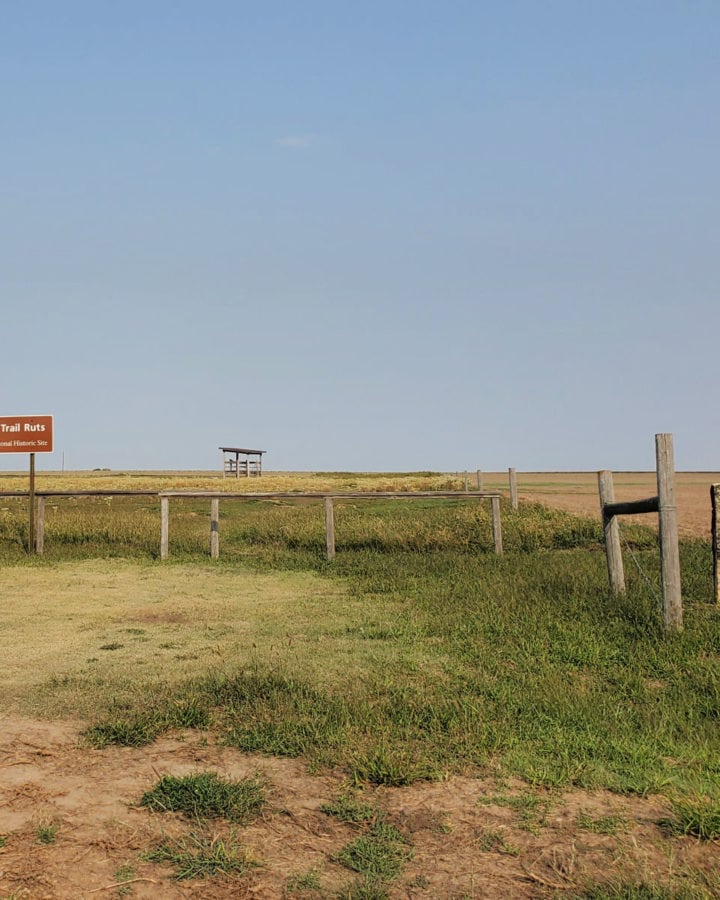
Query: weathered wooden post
{"type": "Point", "coordinates": [40, 532]}
{"type": "Point", "coordinates": [467, 482]}
{"type": "Point", "coordinates": [164, 526]}
{"type": "Point", "coordinates": [214, 528]}
{"type": "Point", "coordinates": [497, 527]}
{"type": "Point", "coordinates": [669, 547]}
{"type": "Point", "coordinates": [611, 528]}
{"type": "Point", "coordinates": [31, 498]}
{"type": "Point", "coordinates": [329, 528]}
{"type": "Point", "coordinates": [715, 503]}
{"type": "Point", "coordinates": [479, 480]}
{"type": "Point", "coordinates": [513, 488]}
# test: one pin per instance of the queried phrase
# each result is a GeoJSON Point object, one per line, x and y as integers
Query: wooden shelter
{"type": "Point", "coordinates": [239, 461]}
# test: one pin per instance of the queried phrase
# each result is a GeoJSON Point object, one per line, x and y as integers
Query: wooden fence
{"type": "Point", "coordinates": [664, 505]}
{"type": "Point", "coordinates": [216, 496]}
{"type": "Point", "coordinates": [38, 544]}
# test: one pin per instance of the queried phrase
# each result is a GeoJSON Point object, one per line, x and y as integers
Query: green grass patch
{"type": "Point", "coordinates": [378, 855]}
{"type": "Point", "coordinates": [621, 890]}
{"type": "Point", "coordinates": [531, 808]}
{"type": "Point", "coordinates": [699, 817]}
{"type": "Point", "coordinates": [302, 883]}
{"type": "Point", "coordinates": [415, 654]}
{"type": "Point", "coordinates": [347, 808]}
{"type": "Point", "coordinates": [206, 795]}
{"type": "Point", "coordinates": [201, 856]}
{"type": "Point", "coordinates": [46, 833]}
{"type": "Point", "coordinates": [602, 824]}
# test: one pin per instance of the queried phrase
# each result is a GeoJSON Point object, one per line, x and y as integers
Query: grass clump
{"type": "Point", "coordinates": [621, 890]}
{"type": "Point", "coordinates": [201, 856]}
{"type": "Point", "coordinates": [206, 795]}
{"type": "Point", "coordinates": [378, 855]}
{"type": "Point", "coordinates": [135, 732]}
{"type": "Point", "coordinates": [302, 883]}
{"type": "Point", "coordinates": [46, 833]}
{"type": "Point", "coordinates": [602, 824]}
{"type": "Point", "coordinates": [494, 840]}
{"type": "Point", "coordinates": [699, 817]}
{"type": "Point", "coordinates": [124, 878]}
{"type": "Point", "coordinates": [144, 727]}
{"type": "Point", "coordinates": [531, 808]}
{"type": "Point", "coordinates": [347, 808]}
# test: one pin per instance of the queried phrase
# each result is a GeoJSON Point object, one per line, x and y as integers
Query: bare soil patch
{"type": "Point", "coordinates": [468, 840]}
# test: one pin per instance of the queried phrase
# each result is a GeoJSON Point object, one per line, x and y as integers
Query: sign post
{"type": "Point", "coordinates": [27, 434]}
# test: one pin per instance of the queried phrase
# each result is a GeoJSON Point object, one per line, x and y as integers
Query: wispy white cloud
{"type": "Point", "coordinates": [296, 141]}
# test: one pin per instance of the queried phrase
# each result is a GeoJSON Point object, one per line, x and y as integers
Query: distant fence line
{"type": "Point", "coordinates": [216, 496]}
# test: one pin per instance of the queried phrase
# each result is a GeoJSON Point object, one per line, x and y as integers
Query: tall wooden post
{"type": "Point", "coordinates": [513, 488]}
{"type": "Point", "coordinates": [164, 527]}
{"type": "Point", "coordinates": [31, 532]}
{"type": "Point", "coordinates": [329, 528]}
{"type": "Point", "coordinates": [467, 482]}
{"type": "Point", "coordinates": [479, 480]}
{"type": "Point", "coordinates": [611, 527]}
{"type": "Point", "coordinates": [214, 528]}
{"type": "Point", "coordinates": [497, 527]}
{"type": "Point", "coordinates": [669, 547]}
{"type": "Point", "coordinates": [715, 503]}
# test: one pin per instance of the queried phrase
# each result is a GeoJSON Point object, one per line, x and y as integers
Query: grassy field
{"type": "Point", "coordinates": [416, 654]}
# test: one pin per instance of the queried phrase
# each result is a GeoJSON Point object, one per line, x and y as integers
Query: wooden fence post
{"type": "Point", "coordinates": [31, 506]}
{"type": "Point", "coordinates": [164, 526]}
{"type": "Point", "coordinates": [467, 482]}
{"type": "Point", "coordinates": [479, 480]}
{"type": "Point", "coordinates": [513, 488]}
{"type": "Point", "coordinates": [715, 503]}
{"type": "Point", "coordinates": [214, 528]}
{"type": "Point", "coordinates": [329, 528]}
{"type": "Point", "coordinates": [669, 548]}
{"type": "Point", "coordinates": [40, 532]}
{"type": "Point", "coordinates": [497, 527]}
{"type": "Point", "coordinates": [611, 528]}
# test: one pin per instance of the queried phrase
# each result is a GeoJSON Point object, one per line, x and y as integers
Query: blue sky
{"type": "Point", "coordinates": [394, 235]}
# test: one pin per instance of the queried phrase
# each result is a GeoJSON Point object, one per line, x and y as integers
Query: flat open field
{"type": "Point", "coordinates": [577, 492]}
{"type": "Point", "coordinates": [424, 719]}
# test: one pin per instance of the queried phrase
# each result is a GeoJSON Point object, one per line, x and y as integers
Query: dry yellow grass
{"type": "Point", "coordinates": [75, 635]}
{"type": "Point", "coordinates": [207, 481]}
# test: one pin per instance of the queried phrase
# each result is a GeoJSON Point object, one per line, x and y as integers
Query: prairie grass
{"type": "Point", "coordinates": [697, 816]}
{"type": "Point", "coordinates": [203, 795]}
{"type": "Point", "coordinates": [378, 855]}
{"type": "Point", "coordinates": [200, 855]}
{"type": "Point", "coordinates": [415, 654]}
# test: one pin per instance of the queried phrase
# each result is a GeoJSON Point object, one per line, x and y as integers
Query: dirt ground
{"type": "Point", "coordinates": [577, 492]}
{"type": "Point", "coordinates": [466, 842]}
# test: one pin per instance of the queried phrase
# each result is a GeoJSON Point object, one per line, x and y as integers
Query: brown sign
{"type": "Point", "coordinates": [26, 434]}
